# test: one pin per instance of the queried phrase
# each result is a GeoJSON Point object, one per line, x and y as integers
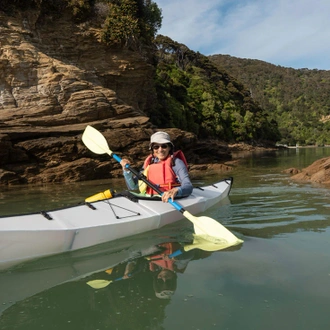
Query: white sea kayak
{"type": "Point", "coordinates": [30, 236]}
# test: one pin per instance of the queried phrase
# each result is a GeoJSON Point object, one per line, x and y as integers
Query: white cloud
{"type": "Point", "coordinates": [291, 33]}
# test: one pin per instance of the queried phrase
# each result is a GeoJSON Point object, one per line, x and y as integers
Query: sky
{"type": "Point", "coordinates": [289, 33]}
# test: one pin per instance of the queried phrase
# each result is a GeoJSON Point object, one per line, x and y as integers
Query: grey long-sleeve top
{"type": "Point", "coordinates": [179, 169]}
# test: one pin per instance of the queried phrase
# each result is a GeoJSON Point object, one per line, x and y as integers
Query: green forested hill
{"type": "Point", "coordinates": [298, 99]}
{"type": "Point", "coordinates": [195, 95]}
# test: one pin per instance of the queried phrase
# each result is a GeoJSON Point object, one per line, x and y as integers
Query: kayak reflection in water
{"type": "Point", "coordinates": [164, 265]}
{"type": "Point", "coordinates": [133, 294]}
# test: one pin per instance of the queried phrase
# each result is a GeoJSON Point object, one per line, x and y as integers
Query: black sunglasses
{"type": "Point", "coordinates": [163, 146]}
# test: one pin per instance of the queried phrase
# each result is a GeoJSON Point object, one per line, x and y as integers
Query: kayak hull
{"type": "Point", "coordinates": [30, 236]}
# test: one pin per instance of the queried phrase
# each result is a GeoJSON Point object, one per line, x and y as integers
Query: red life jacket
{"type": "Point", "coordinates": [162, 174]}
{"type": "Point", "coordinates": [159, 259]}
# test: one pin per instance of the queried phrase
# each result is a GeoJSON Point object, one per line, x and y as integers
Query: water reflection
{"type": "Point", "coordinates": [164, 260]}
{"type": "Point", "coordinates": [161, 268]}
{"type": "Point", "coordinates": [130, 279]}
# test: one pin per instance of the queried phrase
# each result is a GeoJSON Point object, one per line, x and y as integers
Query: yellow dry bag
{"type": "Point", "coordinates": [107, 194]}
{"type": "Point", "coordinates": [142, 185]}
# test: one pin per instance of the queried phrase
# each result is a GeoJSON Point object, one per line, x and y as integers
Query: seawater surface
{"type": "Point", "coordinates": [279, 278]}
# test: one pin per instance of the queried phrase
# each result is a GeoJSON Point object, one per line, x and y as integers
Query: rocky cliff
{"type": "Point", "coordinates": [55, 79]}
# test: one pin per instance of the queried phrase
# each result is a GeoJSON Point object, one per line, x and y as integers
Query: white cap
{"type": "Point", "coordinates": [160, 137]}
{"type": "Point", "coordinates": [165, 294]}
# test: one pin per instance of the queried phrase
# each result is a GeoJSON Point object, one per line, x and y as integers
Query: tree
{"type": "Point", "coordinates": [131, 22]}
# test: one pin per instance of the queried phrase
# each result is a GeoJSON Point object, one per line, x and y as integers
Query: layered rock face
{"type": "Point", "coordinates": [55, 79]}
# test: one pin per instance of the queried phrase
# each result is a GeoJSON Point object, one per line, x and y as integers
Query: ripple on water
{"type": "Point", "coordinates": [275, 207]}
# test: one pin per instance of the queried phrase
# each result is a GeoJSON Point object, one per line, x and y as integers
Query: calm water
{"type": "Point", "coordinates": [278, 279]}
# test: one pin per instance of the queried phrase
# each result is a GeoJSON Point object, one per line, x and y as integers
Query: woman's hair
{"type": "Point", "coordinates": [171, 148]}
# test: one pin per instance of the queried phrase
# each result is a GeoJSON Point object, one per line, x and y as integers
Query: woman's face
{"type": "Point", "coordinates": [160, 151]}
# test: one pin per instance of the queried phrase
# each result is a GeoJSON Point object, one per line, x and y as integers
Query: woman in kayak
{"type": "Point", "coordinates": [163, 167]}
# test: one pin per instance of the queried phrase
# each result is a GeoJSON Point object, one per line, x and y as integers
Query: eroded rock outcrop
{"type": "Point", "coordinates": [55, 79]}
{"type": "Point", "coordinates": [318, 172]}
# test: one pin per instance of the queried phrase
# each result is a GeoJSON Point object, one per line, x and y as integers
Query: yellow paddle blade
{"type": "Point", "coordinates": [208, 243]}
{"type": "Point", "coordinates": [98, 284]}
{"type": "Point", "coordinates": [208, 227]}
{"type": "Point", "coordinates": [95, 141]}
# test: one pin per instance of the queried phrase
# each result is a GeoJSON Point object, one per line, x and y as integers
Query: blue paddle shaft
{"type": "Point", "coordinates": [175, 254]}
{"type": "Point", "coordinates": [117, 158]}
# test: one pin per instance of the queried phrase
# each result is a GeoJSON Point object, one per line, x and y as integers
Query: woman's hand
{"type": "Point", "coordinates": [123, 163]}
{"type": "Point", "coordinates": [169, 194]}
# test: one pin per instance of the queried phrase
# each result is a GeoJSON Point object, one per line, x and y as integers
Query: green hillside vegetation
{"type": "Point", "coordinates": [192, 93]}
{"type": "Point", "coordinates": [297, 99]}
{"type": "Point", "coordinates": [196, 96]}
